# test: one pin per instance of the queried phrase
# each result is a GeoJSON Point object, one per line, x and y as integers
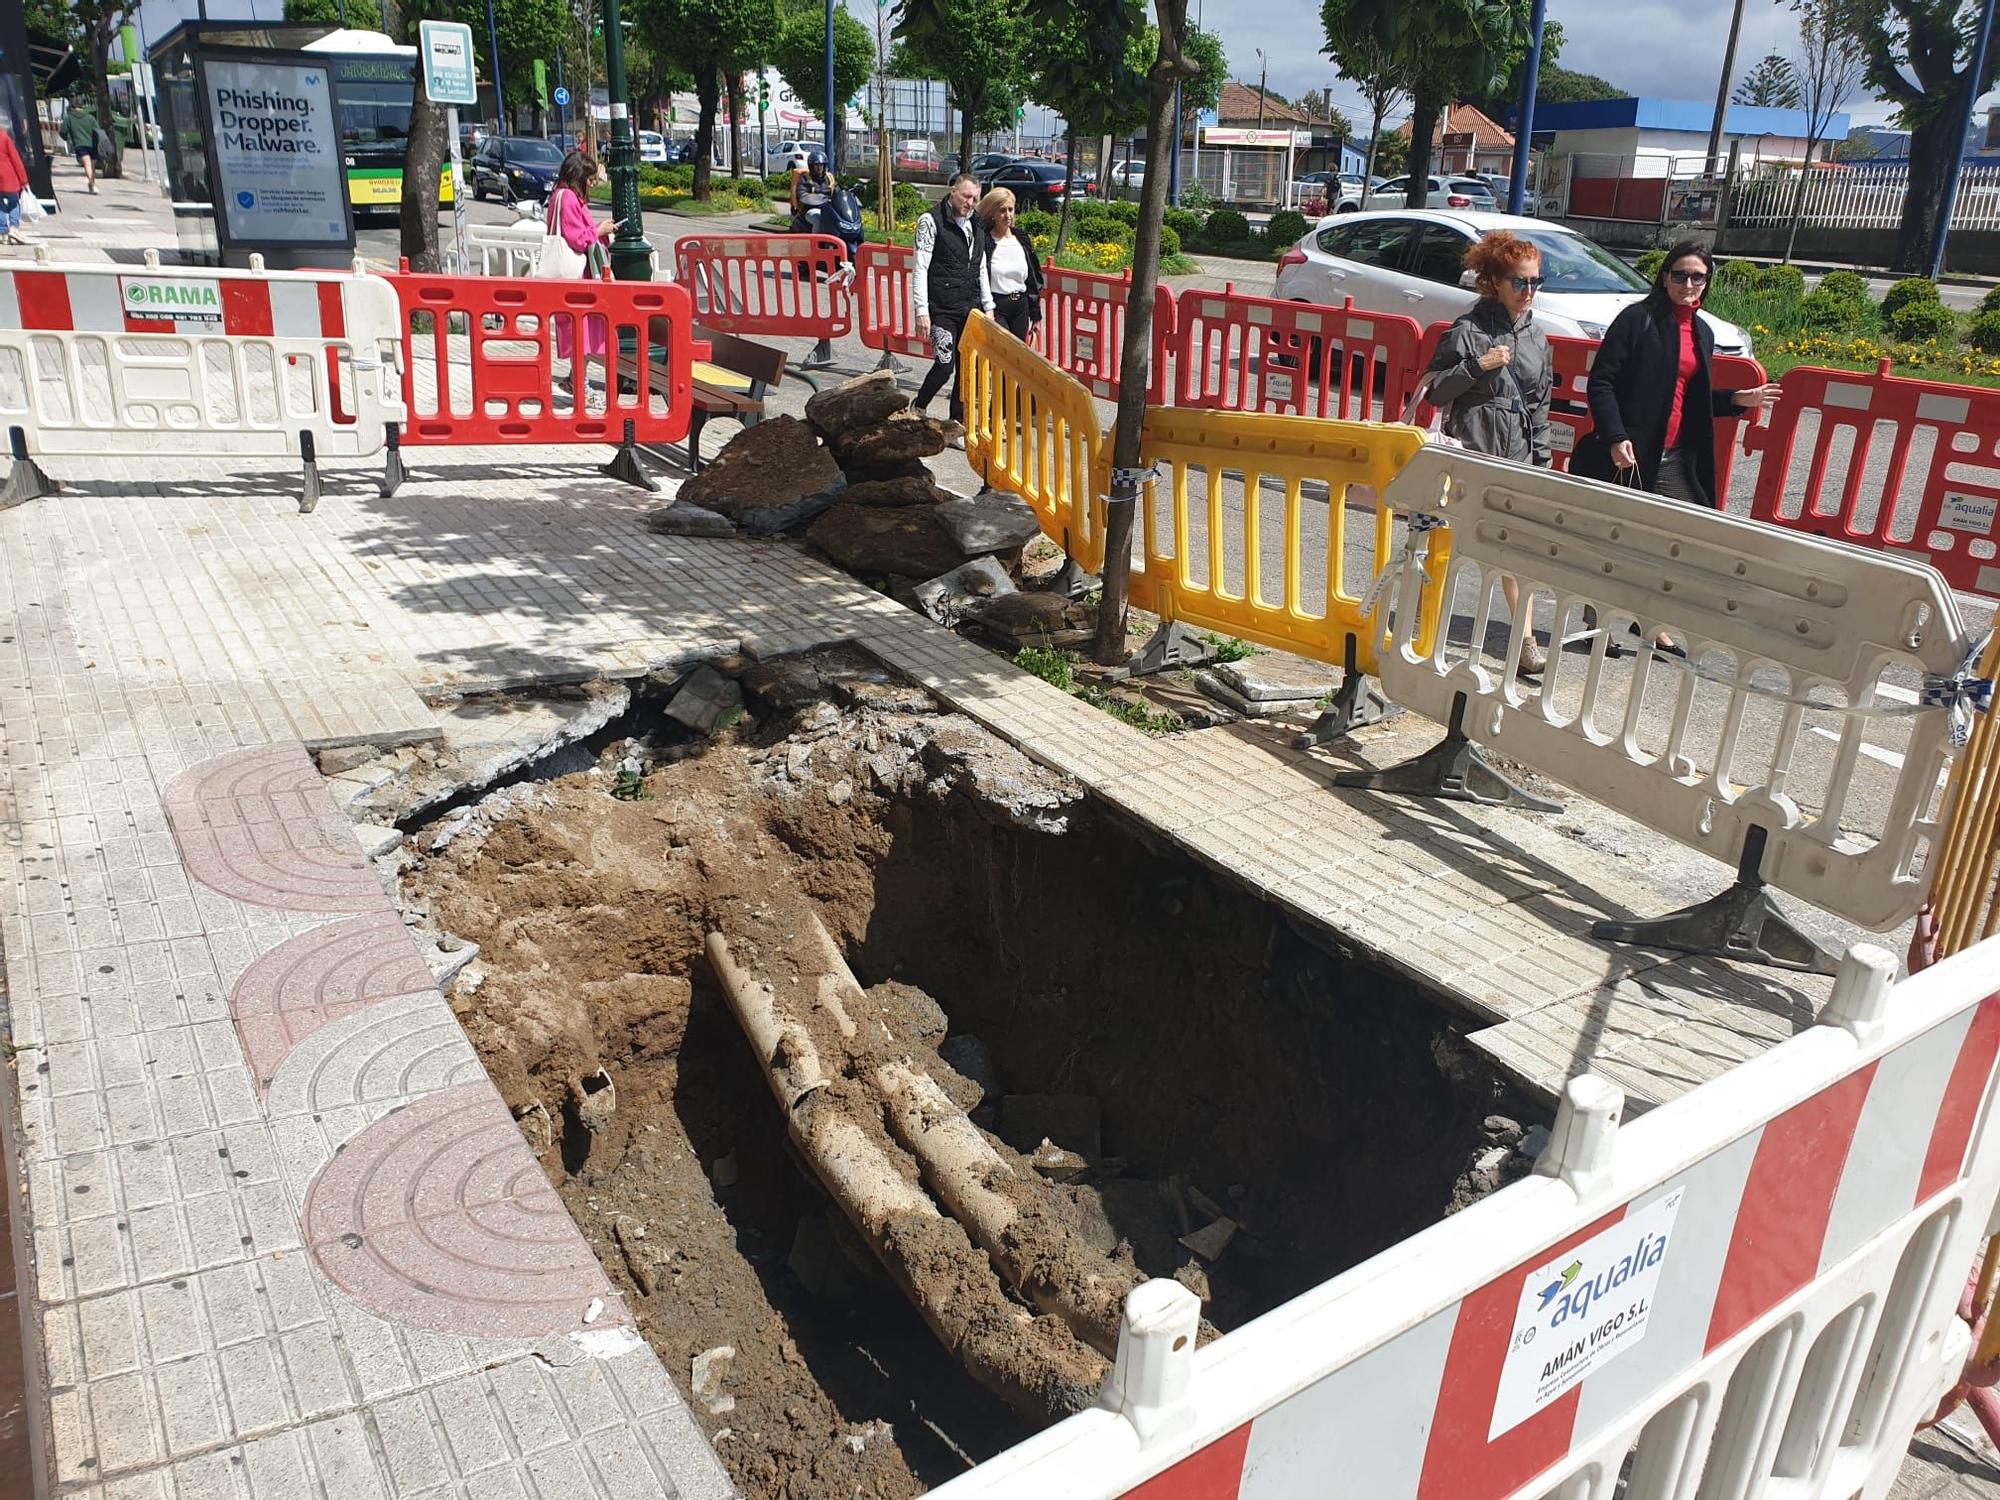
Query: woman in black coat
{"type": "Point", "coordinates": [1652, 405]}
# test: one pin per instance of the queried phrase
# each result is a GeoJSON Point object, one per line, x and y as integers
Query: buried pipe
{"type": "Point", "coordinates": [1003, 1212]}
{"type": "Point", "coordinates": [1036, 1365]}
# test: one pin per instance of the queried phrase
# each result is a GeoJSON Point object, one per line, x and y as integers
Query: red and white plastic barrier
{"type": "Point", "coordinates": [888, 303]}
{"type": "Point", "coordinates": [1750, 1291]}
{"type": "Point", "coordinates": [1234, 352]}
{"type": "Point", "coordinates": [1083, 330]}
{"type": "Point", "coordinates": [783, 285]}
{"type": "Point", "coordinates": [198, 362]}
{"type": "Point", "coordinates": [1932, 494]}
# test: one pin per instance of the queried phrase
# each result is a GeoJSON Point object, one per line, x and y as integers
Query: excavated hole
{"type": "Point", "coordinates": [1229, 1065]}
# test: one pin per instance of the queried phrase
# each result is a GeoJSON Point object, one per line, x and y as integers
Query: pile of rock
{"type": "Point", "coordinates": [852, 478]}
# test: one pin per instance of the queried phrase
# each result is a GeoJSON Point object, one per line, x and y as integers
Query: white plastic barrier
{"type": "Point", "coordinates": [1805, 663]}
{"type": "Point", "coordinates": [504, 249]}
{"type": "Point", "coordinates": [1749, 1292]}
{"type": "Point", "coordinates": [117, 361]}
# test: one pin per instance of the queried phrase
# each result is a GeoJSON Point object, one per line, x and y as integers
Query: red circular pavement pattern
{"type": "Point", "coordinates": [319, 976]}
{"type": "Point", "coordinates": [257, 825]}
{"type": "Point", "coordinates": [438, 1216]}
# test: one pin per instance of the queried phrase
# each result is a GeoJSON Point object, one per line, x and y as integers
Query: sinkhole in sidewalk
{"type": "Point", "coordinates": [1022, 1011]}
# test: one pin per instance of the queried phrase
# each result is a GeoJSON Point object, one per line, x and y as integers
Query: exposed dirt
{"type": "Point", "coordinates": [1324, 1108]}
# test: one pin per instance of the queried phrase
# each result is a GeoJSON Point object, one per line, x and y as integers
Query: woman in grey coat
{"type": "Point", "coordinates": [1494, 372]}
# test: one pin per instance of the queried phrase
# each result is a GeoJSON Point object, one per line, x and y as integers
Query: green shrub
{"type": "Point", "coordinates": [1034, 221]}
{"type": "Point", "coordinates": [1985, 331]}
{"type": "Point", "coordinates": [1917, 321]}
{"type": "Point", "coordinates": [1782, 280]}
{"type": "Point", "coordinates": [1648, 265]}
{"type": "Point", "coordinates": [680, 179]}
{"type": "Point", "coordinates": [1829, 312]}
{"type": "Point", "coordinates": [1125, 210]}
{"type": "Point", "coordinates": [1991, 301]}
{"type": "Point", "coordinates": [1196, 199]}
{"type": "Point", "coordinates": [1170, 242]}
{"type": "Point", "coordinates": [1187, 224]}
{"type": "Point", "coordinates": [779, 184]}
{"type": "Point", "coordinates": [1735, 275]}
{"type": "Point", "coordinates": [1226, 227]}
{"type": "Point", "coordinates": [1848, 286]}
{"type": "Point", "coordinates": [1908, 292]}
{"type": "Point", "coordinates": [1287, 227]}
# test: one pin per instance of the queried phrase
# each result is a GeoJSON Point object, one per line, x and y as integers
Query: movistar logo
{"type": "Point", "coordinates": [1557, 1287]}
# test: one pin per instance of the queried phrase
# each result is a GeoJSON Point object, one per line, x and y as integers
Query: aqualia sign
{"type": "Point", "coordinates": [280, 177]}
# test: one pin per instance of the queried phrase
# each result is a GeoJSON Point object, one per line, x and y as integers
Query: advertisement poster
{"type": "Point", "coordinates": [280, 176]}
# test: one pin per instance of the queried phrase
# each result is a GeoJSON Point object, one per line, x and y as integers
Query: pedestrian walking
{"type": "Point", "coordinates": [1493, 375]}
{"type": "Point", "coordinates": [950, 280]}
{"type": "Point", "coordinates": [570, 241]}
{"type": "Point", "coordinates": [13, 186]}
{"type": "Point", "coordinates": [1013, 275]}
{"type": "Point", "coordinates": [80, 131]}
{"type": "Point", "coordinates": [1652, 404]}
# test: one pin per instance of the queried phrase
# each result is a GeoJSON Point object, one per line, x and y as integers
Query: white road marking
{"type": "Point", "coordinates": [1888, 758]}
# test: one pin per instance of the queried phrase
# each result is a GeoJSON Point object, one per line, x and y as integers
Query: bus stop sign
{"type": "Point", "coordinates": [447, 52]}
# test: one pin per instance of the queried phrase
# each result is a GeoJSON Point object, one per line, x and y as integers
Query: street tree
{"type": "Point", "coordinates": [1917, 55]}
{"type": "Point", "coordinates": [798, 52]}
{"type": "Point", "coordinates": [529, 29]}
{"type": "Point", "coordinates": [1556, 84]}
{"type": "Point", "coordinates": [974, 48]}
{"type": "Point", "coordinates": [1452, 49]}
{"type": "Point", "coordinates": [424, 151]}
{"type": "Point", "coordinates": [1827, 67]}
{"type": "Point", "coordinates": [50, 23]}
{"type": "Point", "coordinates": [1388, 153]}
{"type": "Point", "coordinates": [1772, 84]}
{"type": "Point", "coordinates": [97, 22]}
{"type": "Point", "coordinates": [1203, 91]}
{"type": "Point", "coordinates": [1363, 59]}
{"type": "Point", "coordinates": [1857, 147]}
{"type": "Point", "coordinates": [711, 39]}
{"type": "Point", "coordinates": [362, 15]}
{"type": "Point", "coordinates": [1499, 101]}
{"type": "Point", "coordinates": [1064, 52]}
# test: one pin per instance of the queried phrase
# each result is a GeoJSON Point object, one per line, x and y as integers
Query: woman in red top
{"type": "Point", "coordinates": [13, 183]}
{"type": "Point", "coordinates": [1652, 407]}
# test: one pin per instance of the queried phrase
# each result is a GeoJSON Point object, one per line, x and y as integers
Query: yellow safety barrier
{"type": "Point", "coordinates": [1193, 550]}
{"type": "Point", "coordinates": [1031, 430]}
{"type": "Point", "coordinates": [1963, 890]}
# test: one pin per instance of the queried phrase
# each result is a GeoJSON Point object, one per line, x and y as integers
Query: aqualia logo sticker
{"type": "Point", "coordinates": [1582, 1309]}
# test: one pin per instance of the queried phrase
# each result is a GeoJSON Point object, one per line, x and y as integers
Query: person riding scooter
{"type": "Point", "coordinates": [812, 189]}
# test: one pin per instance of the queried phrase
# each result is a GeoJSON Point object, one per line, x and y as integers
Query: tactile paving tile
{"type": "Point", "coordinates": [438, 1216]}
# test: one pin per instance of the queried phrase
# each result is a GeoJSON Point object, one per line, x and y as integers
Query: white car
{"type": "Point", "coordinates": [652, 146]}
{"type": "Point", "coordinates": [790, 156]}
{"type": "Point", "coordinates": [1128, 174]}
{"type": "Point", "coordinates": [1413, 263]}
{"type": "Point", "coordinates": [1442, 192]}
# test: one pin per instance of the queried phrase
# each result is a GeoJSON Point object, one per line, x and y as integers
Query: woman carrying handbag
{"type": "Point", "coordinates": [569, 239]}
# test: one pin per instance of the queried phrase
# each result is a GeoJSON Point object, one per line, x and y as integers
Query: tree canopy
{"type": "Point", "coordinates": [798, 52]}
{"type": "Point", "coordinates": [362, 15]}
{"type": "Point", "coordinates": [975, 48]}
{"type": "Point", "coordinates": [1771, 84]}
{"type": "Point", "coordinates": [1555, 84]}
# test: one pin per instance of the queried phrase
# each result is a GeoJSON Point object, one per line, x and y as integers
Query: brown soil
{"type": "Point", "coordinates": [1322, 1103]}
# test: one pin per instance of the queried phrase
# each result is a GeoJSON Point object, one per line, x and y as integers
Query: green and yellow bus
{"type": "Point", "coordinates": [375, 81]}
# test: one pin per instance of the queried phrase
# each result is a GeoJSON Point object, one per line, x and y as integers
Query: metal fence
{"type": "Point", "coordinates": [1856, 199]}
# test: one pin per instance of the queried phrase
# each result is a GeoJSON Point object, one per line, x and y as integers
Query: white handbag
{"type": "Point", "coordinates": [1434, 432]}
{"type": "Point", "coordinates": [558, 260]}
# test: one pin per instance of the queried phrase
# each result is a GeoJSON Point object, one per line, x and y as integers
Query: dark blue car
{"type": "Point", "coordinates": [513, 167]}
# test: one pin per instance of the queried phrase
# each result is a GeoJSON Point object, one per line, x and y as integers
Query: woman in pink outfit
{"type": "Point", "coordinates": [567, 217]}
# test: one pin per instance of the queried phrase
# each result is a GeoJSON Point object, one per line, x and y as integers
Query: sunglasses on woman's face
{"type": "Point", "coordinates": [1526, 283]}
{"type": "Point", "coordinates": [1690, 278]}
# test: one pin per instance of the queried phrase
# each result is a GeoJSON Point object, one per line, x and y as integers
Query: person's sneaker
{"type": "Point", "coordinates": [1534, 660]}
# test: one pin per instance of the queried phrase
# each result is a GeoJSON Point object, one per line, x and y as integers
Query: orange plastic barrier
{"type": "Point", "coordinates": [492, 359]}
{"type": "Point", "coordinates": [1235, 352]}
{"type": "Point", "coordinates": [888, 303]}
{"type": "Point", "coordinates": [1083, 330]}
{"type": "Point", "coordinates": [789, 285]}
{"type": "Point", "coordinates": [1933, 492]}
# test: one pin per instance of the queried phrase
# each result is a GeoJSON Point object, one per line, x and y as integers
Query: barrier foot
{"type": "Point", "coordinates": [1070, 580]}
{"type": "Point", "coordinates": [1453, 770]}
{"type": "Point", "coordinates": [888, 361]}
{"type": "Point", "coordinates": [821, 357]}
{"type": "Point", "coordinates": [309, 496]}
{"type": "Point", "coordinates": [1356, 702]}
{"type": "Point", "coordinates": [26, 481]}
{"type": "Point", "coordinates": [1172, 645]}
{"type": "Point", "coordinates": [627, 465]}
{"type": "Point", "coordinates": [393, 472]}
{"type": "Point", "coordinates": [1742, 923]}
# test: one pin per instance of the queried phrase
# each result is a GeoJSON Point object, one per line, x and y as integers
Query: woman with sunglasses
{"type": "Point", "coordinates": [1652, 406]}
{"type": "Point", "coordinates": [1493, 373]}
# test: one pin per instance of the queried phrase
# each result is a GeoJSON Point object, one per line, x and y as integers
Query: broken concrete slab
{"type": "Point", "coordinates": [989, 522]}
{"type": "Point", "coordinates": [897, 492]}
{"type": "Point", "coordinates": [764, 468]}
{"type": "Point", "coordinates": [375, 840]}
{"type": "Point", "coordinates": [898, 439]}
{"type": "Point", "coordinates": [1219, 691]}
{"type": "Point", "coordinates": [705, 699]}
{"type": "Point", "coordinates": [1211, 1240]}
{"type": "Point", "coordinates": [1024, 618]}
{"type": "Point", "coordinates": [682, 519]}
{"type": "Point", "coordinates": [783, 686]}
{"type": "Point", "coordinates": [1270, 676]}
{"type": "Point", "coordinates": [1071, 1121]}
{"type": "Point", "coordinates": [1002, 784]}
{"type": "Point", "coordinates": [946, 597]}
{"type": "Point", "coordinates": [907, 541]}
{"type": "Point", "coordinates": [864, 401]}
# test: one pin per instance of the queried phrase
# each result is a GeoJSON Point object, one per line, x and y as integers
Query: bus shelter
{"type": "Point", "coordinates": [278, 135]}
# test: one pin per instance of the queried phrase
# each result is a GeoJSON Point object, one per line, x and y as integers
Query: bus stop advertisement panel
{"type": "Point", "coordinates": [275, 167]}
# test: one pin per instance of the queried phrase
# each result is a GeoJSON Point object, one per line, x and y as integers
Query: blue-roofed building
{"type": "Point", "coordinates": [1677, 127]}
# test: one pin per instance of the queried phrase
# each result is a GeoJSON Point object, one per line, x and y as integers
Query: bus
{"type": "Point", "coordinates": [375, 81]}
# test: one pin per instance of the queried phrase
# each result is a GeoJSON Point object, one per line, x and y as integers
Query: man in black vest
{"type": "Point", "coordinates": [950, 281]}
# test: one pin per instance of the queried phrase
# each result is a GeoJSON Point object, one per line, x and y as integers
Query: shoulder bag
{"type": "Point", "coordinates": [558, 260]}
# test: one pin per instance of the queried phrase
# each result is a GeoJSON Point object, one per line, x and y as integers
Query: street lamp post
{"type": "Point", "coordinates": [499, 99]}
{"type": "Point", "coordinates": [1974, 86]}
{"type": "Point", "coordinates": [1531, 72]}
{"type": "Point", "coordinates": [631, 256]}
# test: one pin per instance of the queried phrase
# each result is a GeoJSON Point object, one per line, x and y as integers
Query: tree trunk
{"type": "Point", "coordinates": [965, 136]}
{"type": "Point", "coordinates": [706, 94]}
{"type": "Point", "coordinates": [735, 124]}
{"type": "Point", "coordinates": [1135, 361]}
{"type": "Point", "coordinates": [1069, 169]}
{"type": "Point", "coordinates": [1424, 110]}
{"type": "Point", "coordinates": [100, 65]}
{"type": "Point", "coordinates": [1933, 153]}
{"type": "Point", "coordinates": [423, 159]}
{"type": "Point", "coordinates": [1381, 102]}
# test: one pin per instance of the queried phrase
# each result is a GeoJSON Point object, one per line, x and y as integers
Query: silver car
{"type": "Point", "coordinates": [1413, 263]}
{"type": "Point", "coordinates": [1443, 192]}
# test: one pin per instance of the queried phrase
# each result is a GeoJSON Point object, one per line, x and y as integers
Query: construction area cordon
{"type": "Point", "coordinates": [521, 983]}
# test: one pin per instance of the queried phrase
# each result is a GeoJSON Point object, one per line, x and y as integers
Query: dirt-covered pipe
{"type": "Point", "coordinates": [1035, 1365]}
{"type": "Point", "coordinates": [1004, 1213]}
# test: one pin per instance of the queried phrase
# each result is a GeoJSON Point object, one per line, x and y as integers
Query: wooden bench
{"type": "Point", "coordinates": [732, 382]}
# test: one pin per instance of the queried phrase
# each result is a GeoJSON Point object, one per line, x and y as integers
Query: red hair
{"type": "Point", "coordinates": [1498, 255]}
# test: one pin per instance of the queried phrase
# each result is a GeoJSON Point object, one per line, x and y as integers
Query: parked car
{"type": "Point", "coordinates": [1413, 263]}
{"type": "Point", "coordinates": [790, 155]}
{"type": "Point", "coordinates": [1443, 192]}
{"type": "Point", "coordinates": [1130, 174]}
{"type": "Point", "coordinates": [514, 167]}
{"type": "Point", "coordinates": [986, 164]}
{"type": "Point", "coordinates": [653, 147]}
